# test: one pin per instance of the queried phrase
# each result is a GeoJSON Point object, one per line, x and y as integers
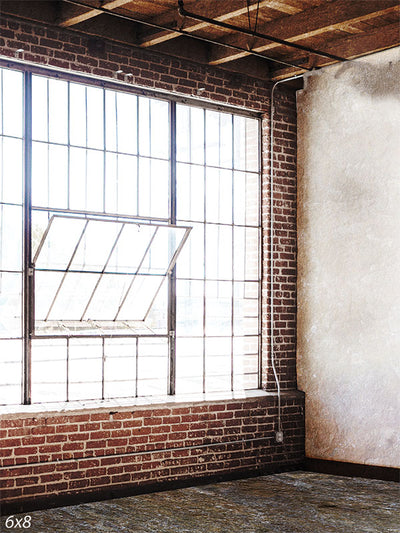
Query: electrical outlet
{"type": "Point", "coordinates": [279, 436]}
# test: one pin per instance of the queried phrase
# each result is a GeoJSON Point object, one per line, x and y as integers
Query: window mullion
{"type": "Point", "coordinates": [28, 281]}
{"type": "Point", "coordinates": [172, 276]}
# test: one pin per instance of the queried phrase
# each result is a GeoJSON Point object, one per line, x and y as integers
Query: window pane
{"type": "Point", "coordinates": [95, 117]}
{"type": "Point", "coordinates": [189, 365]}
{"type": "Point", "coordinates": [58, 176]}
{"type": "Point", "coordinates": [11, 170]}
{"type": "Point", "coordinates": [218, 363]}
{"type": "Point", "coordinates": [95, 181]}
{"type": "Point", "coordinates": [126, 123]}
{"type": "Point", "coordinates": [152, 367]}
{"type": "Point", "coordinates": [218, 307]}
{"type": "Point", "coordinates": [159, 123]}
{"type": "Point", "coordinates": [10, 237]}
{"type": "Point", "coordinates": [218, 252]}
{"type": "Point", "coordinates": [246, 253]}
{"type": "Point", "coordinates": [119, 368]}
{"type": "Point", "coordinates": [126, 185]}
{"type": "Point", "coordinates": [49, 370]}
{"type": "Point", "coordinates": [246, 198]}
{"type": "Point", "coordinates": [77, 178]}
{"type": "Point", "coordinates": [10, 371]}
{"type": "Point", "coordinates": [72, 298]}
{"type": "Point", "coordinates": [12, 103]}
{"type": "Point", "coordinates": [246, 309]}
{"type": "Point", "coordinates": [190, 200]}
{"type": "Point", "coordinates": [246, 133]}
{"type": "Point", "coordinates": [77, 114]}
{"type": "Point", "coordinates": [139, 298]}
{"type": "Point", "coordinates": [191, 260]}
{"type": "Point", "coordinates": [10, 305]}
{"type": "Point", "coordinates": [111, 120]}
{"type": "Point", "coordinates": [189, 313]}
{"type": "Point", "coordinates": [219, 196]}
{"type": "Point", "coordinates": [153, 188]}
{"type": "Point", "coordinates": [58, 111]}
{"type": "Point", "coordinates": [85, 369]}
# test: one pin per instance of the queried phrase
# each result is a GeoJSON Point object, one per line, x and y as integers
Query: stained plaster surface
{"type": "Point", "coordinates": [349, 260]}
{"type": "Point", "coordinates": [296, 502]}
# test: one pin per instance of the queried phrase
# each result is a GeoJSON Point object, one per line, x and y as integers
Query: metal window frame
{"type": "Point", "coordinates": [28, 294]}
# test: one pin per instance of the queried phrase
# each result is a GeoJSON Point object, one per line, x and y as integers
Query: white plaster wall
{"type": "Point", "coordinates": [349, 260]}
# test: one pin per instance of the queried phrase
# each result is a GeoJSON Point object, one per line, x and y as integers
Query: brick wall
{"type": "Point", "coordinates": [67, 454]}
{"type": "Point", "coordinates": [62, 455]}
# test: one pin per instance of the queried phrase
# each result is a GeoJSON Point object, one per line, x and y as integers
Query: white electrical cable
{"type": "Point", "coordinates": [272, 352]}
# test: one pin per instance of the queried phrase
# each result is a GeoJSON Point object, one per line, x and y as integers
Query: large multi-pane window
{"type": "Point", "coordinates": [129, 242]}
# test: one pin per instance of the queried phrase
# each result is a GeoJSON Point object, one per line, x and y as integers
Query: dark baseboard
{"type": "Point", "coordinates": [110, 492]}
{"type": "Point", "coordinates": [339, 468]}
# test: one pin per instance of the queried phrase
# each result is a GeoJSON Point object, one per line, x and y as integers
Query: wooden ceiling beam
{"type": "Point", "coordinates": [221, 12]}
{"type": "Point", "coordinates": [351, 47]}
{"type": "Point", "coordinates": [91, 13]}
{"type": "Point", "coordinates": [315, 21]}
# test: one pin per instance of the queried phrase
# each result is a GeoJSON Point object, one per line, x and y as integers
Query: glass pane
{"type": "Point", "coordinates": [159, 124]}
{"type": "Point", "coordinates": [245, 381]}
{"type": "Point", "coordinates": [39, 108]}
{"type": "Point", "coordinates": [10, 371]}
{"type": "Point", "coordinates": [218, 308]}
{"type": "Point", "coordinates": [40, 174]}
{"type": "Point", "coordinates": [10, 305]}
{"type": "Point", "coordinates": [219, 196]}
{"type": "Point", "coordinates": [225, 140]}
{"type": "Point", "coordinates": [246, 134]}
{"type": "Point", "coordinates": [119, 368]}
{"type": "Point", "coordinates": [183, 133]}
{"type": "Point", "coordinates": [246, 199]}
{"type": "Point", "coordinates": [58, 176]}
{"type": "Point", "coordinates": [246, 309]}
{"type": "Point", "coordinates": [157, 319]}
{"type": "Point", "coordinates": [153, 188]}
{"type": "Point", "coordinates": [46, 285]}
{"type": "Point", "coordinates": [73, 296]}
{"type": "Point", "coordinates": [189, 309]}
{"type": "Point", "coordinates": [95, 181]}
{"type": "Point", "coordinates": [190, 197]}
{"type": "Point", "coordinates": [95, 117]}
{"type": "Point", "coordinates": [245, 361]}
{"type": "Point", "coordinates": [218, 252]}
{"type": "Point", "coordinates": [126, 185]}
{"type": "Point", "coordinates": [107, 297]}
{"type": "Point", "coordinates": [95, 246]}
{"type": "Point", "coordinates": [12, 103]}
{"type": "Point", "coordinates": [131, 247]}
{"type": "Point", "coordinates": [77, 114]}
{"type": "Point", "coordinates": [139, 298]}
{"type": "Point", "coordinates": [10, 237]}
{"type": "Point", "coordinates": [60, 242]}
{"type": "Point", "coordinates": [191, 261]}
{"type": "Point", "coordinates": [49, 370]}
{"type": "Point", "coordinates": [212, 138]}
{"type": "Point", "coordinates": [189, 365]}
{"type": "Point", "coordinates": [246, 253]}
{"type": "Point", "coordinates": [218, 363]}
{"type": "Point", "coordinates": [126, 123]}
{"type": "Point", "coordinates": [111, 120]}
{"type": "Point", "coordinates": [144, 126]}
{"type": "Point", "coordinates": [85, 369]}
{"type": "Point", "coordinates": [190, 134]}
{"type": "Point", "coordinates": [162, 250]}
{"type": "Point", "coordinates": [152, 367]}
{"type": "Point", "coordinates": [58, 111]}
{"type": "Point", "coordinates": [77, 178]}
{"type": "Point", "coordinates": [11, 174]}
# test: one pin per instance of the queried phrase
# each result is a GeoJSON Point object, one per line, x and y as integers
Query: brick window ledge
{"type": "Point", "coordinates": [126, 404]}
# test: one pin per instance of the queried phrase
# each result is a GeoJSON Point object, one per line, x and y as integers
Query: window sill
{"type": "Point", "coordinates": [126, 404]}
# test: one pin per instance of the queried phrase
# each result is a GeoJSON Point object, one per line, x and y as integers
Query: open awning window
{"type": "Point", "coordinates": [102, 272]}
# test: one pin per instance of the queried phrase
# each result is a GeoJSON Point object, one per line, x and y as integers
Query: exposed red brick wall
{"type": "Point", "coordinates": [86, 452]}
{"type": "Point", "coordinates": [65, 454]}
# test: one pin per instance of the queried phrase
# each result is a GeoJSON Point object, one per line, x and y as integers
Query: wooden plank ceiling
{"type": "Point", "coordinates": [343, 28]}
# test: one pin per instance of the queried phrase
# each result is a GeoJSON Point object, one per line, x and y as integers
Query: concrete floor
{"type": "Point", "coordinates": [295, 502]}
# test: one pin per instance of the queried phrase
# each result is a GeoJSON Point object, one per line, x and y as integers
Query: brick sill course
{"type": "Point", "coordinates": [126, 404]}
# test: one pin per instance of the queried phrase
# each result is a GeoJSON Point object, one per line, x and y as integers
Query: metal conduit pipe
{"type": "Point", "coordinates": [272, 330]}
{"type": "Point", "coordinates": [183, 32]}
{"type": "Point", "coordinates": [252, 33]}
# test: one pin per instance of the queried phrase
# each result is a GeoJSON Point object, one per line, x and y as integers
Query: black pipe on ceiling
{"type": "Point", "coordinates": [186, 33]}
{"type": "Point", "coordinates": [213, 22]}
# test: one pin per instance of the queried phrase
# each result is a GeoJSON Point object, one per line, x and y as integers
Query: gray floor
{"type": "Point", "coordinates": [295, 502]}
